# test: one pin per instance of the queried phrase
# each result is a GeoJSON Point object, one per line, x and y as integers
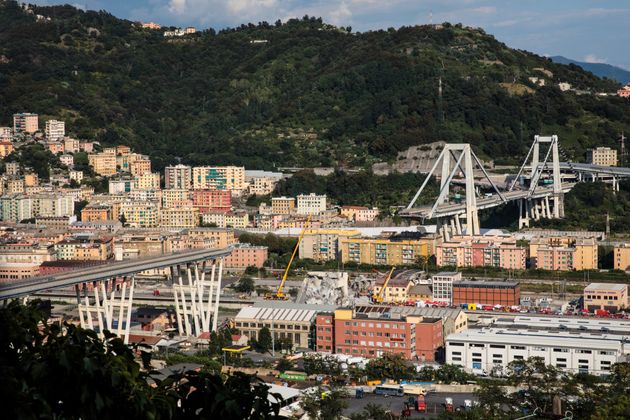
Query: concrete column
{"type": "Point", "coordinates": [446, 171]}
{"type": "Point", "coordinates": [215, 318]}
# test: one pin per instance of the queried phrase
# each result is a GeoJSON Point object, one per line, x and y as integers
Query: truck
{"type": "Point", "coordinates": [421, 404]}
{"type": "Point", "coordinates": [411, 389]}
{"type": "Point", "coordinates": [467, 405]}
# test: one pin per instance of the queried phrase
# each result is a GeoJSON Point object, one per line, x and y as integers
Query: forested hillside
{"type": "Point", "coordinates": [311, 95]}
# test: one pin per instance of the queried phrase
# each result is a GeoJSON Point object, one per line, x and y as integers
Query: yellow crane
{"type": "Point", "coordinates": [279, 295]}
{"type": "Point", "coordinates": [378, 298]}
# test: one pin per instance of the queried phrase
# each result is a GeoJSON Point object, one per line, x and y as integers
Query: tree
{"type": "Point", "coordinates": [284, 365]}
{"type": "Point", "coordinates": [324, 404]}
{"type": "Point", "coordinates": [123, 220]}
{"type": "Point", "coordinates": [389, 366]}
{"type": "Point", "coordinates": [370, 412]}
{"type": "Point", "coordinates": [264, 340]}
{"type": "Point", "coordinates": [245, 285]}
{"type": "Point", "coordinates": [251, 270]}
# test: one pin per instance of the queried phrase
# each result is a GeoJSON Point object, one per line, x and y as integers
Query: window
{"type": "Point", "coordinates": [517, 357]}
{"type": "Point", "coordinates": [555, 350]}
{"type": "Point", "coordinates": [456, 344]}
{"type": "Point", "coordinates": [517, 347]}
{"type": "Point", "coordinates": [583, 351]}
{"type": "Point", "coordinates": [459, 353]}
{"type": "Point", "coordinates": [497, 346]}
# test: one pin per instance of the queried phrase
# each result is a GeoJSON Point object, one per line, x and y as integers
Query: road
{"type": "Point", "coordinates": [434, 400]}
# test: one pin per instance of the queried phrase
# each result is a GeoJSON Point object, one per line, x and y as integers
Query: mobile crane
{"type": "Point", "coordinates": [378, 298]}
{"type": "Point", "coordinates": [279, 295]}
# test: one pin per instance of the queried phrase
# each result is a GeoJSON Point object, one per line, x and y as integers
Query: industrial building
{"type": "Point", "coordinates": [505, 293]}
{"type": "Point", "coordinates": [483, 351]}
{"type": "Point", "coordinates": [607, 296]}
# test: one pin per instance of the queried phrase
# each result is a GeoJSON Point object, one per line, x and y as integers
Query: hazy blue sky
{"type": "Point", "coordinates": [586, 30]}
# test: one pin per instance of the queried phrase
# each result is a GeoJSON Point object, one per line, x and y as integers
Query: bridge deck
{"type": "Point", "coordinates": [106, 271]}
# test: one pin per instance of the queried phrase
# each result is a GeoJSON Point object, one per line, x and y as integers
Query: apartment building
{"type": "Point", "coordinates": [103, 164]}
{"type": "Point", "coordinates": [359, 214]}
{"type": "Point", "coordinates": [15, 186]}
{"type": "Point", "coordinates": [236, 220]}
{"type": "Point", "coordinates": [6, 148]}
{"type": "Point", "coordinates": [442, 285]}
{"type": "Point", "coordinates": [17, 207]}
{"type": "Point", "coordinates": [481, 251]}
{"type": "Point", "coordinates": [246, 255]}
{"type": "Point", "coordinates": [55, 130]}
{"type": "Point", "coordinates": [76, 176]}
{"type": "Point", "coordinates": [221, 238]}
{"type": "Point", "coordinates": [55, 147]}
{"type": "Point", "coordinates": [85, 248]}
{"type": "Point", "coordinates": [25, 123]}
{"type": "Point", "coordinates": [138, 214]}
{"type": "Point", "coordinates": [261, 182]}
{"type": "Point", "coordinates": [397, 288]}
{"type": "Point", "coordinates": [67, 160]}
{"type": "Point", "coordinates": [603, 156]}
{"type": "Point", "coordinates": [282, 205]}
{"type": "Point", "coordinates": [22, 260]}
{"type": "Point", "coordinates": [212, 200]}
{"type": "Point", "coordinates": [184, 217]}
{"type": "Point", "coordinates": [323, 244]}
{"type": "Point", "coordinates": [230, 178]}
{"type": "Point", "coordinates": [564, 254]}
{"type": "Point", "coordinates": [140, 166]}
{"type": "Point", "coordinates": [120, 186]}
{"type": "Point", "coordinates": [147, 182]}
{"type": "Point", "coordinates": [607, 296]}
{"type": "Point", "coordinates": [385, 251]}
{"type": "Point", "coordinates": [31, 180]}
{"type": "Point", "coordinates": [371, 335]}
{"type": "Point", "coordinates": [621, 255]}
{"type": "Point", "coordinates": [176, 198]}
{"type": "Point", "coordinates": [311, 204]}
{"type": "Point", "coordinates": [178, 177]}
{"type": "Point", "coordinates": [71, 145]}
{"type": "Point", "coordinates": [12, 168]}
{"type": "Point", "coordinates": [96, 213]}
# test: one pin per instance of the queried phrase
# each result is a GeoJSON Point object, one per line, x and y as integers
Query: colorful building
{"type": "Point", "coordinates": [282, 205]}
{"type": "Point", "coordinates": [481, 251]}
{"type": "Point", "coordinates": [359, 214]}
{"type": "Point", "coordinates": [323, 244]}
{"type": "Point", "coordinates": [184, 217]}
{"type": "Point", "coordinates": [103, 164]}
{"type": "Point", "coordinates": [236, 220]}
{"type": "Point", "coordinates": [246, 255]}
{"type": "Point", "coordinates": [178, 177]}
{"type": "Point", "coordinates": [607, 296]}
{"type": "Point", "coordinates": [212, 200]}
{"type": "Point", "coordinates": [311, 204]}
{"type": "Point", "coordinates": [230, 178]}
{"type": "Point", "coordinates": [603, 156]}
{"type": "Point", "coordinates": [147, 181]}
{"type": "Point", "coordinates": [25, 123]}
{"type": "Point", "coordinates": [100, 249]}
{"type": "Point", "coordinates": [622, 257]}
{"type": "Point", "coordinates": [380, 251]}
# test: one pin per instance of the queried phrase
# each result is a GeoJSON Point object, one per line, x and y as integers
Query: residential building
{"type": "Point", "coordinates": [483, 351]}
{"type": "Point", "coordinates": [607, 296]}
{"type": "Point", "coordinates": [87, 147]}
{"type": "Point", "coordinates": [359, 214]}
{"type": "Point", "coordinates": [212, 200]}
{"type": "Point", "coordinates": [282, 205]}
{"type": "Point", "coordinates": [420, 292]}
{"type": "Point", "coordinates": [154, 319]}
{"type": "Point", "coordinates": [230, 178]}
{"type": "Point", "coordinates": [15, 186]}
{"type": "Point", "coordinates": [185, 217]}
{"type": "Point", "coordinates": [12, 168]}
{"type": "Point", "coordinates": [140, 166]}
{"type": "Point", "coordinates": [138, 214]}
{"type": "Point", "coordinates": [96, 213]}
{"type": "Point", "coordinates": [454, 320]}
{"type": "Point", "coordinates": [603, 156]}
{"type": "Point", "coordinates": [119, 186]}
{"type": "Point", "coordinates": [178, 177]}
{"type": "Point", "coordinates": [236, 220]}
{"type": "Point", "coordinates": [25, 123]}
{"type": "Point", "coordinates": [261, 182]}
{"type": "Point", "coordinates": [55, 222]}
{"type": "Point", "coordinates": [564, 254]}
{"type": "Point", "coordinates": [103, 163]}
{"type": "Point", "coordinates": [311, 204]}
{"type": "Point", "coordinates": [67, 160]}
{"type": "Point", "coordinates": [396, 289]}
{"type": "Point", "coordinates": [76, 175]}
{"type": "Point", "coordinates": [151, 25]}
{"type": "Point", "coordinates": [85, 248]}
{"type": "Point", "coordinates": [391, 251]}
{"type": "Point", "coordinates": [292, 323]}
{"type": "Point", "coordinates": [147, 182]}
{"type": "Point", "coordinates": [246, 255]}
{"type": "Point", "coordinates": [176, 198]}
{"type": "Point", "coordinates": [55, 130]}
{"type": "Point", "coordinates": [481, 251]}
{"type": "Point", "coordinates": [221, 238]}
{"type": "Point", "coordinates": [6, 148]}
{"type": "Point", "coordinates": [31, 180]}
{"type": "Point", "coordinates": [22, 260]}
{"type": "Point", "coordinates": [504, 293]}
{"type": "Point", "coordinates": [624, 92]}
{"type": "Point", "coordinates": [6, 133]}
{"type": "Point", "coordinates": [71, 145]}
{"type": "Point", "coordinates": [622, 257]}
{"type": "Point", "coordinates": [371, 335]}
{"type": "Point", "coordinates": [442, 285]}
{"type": "Point", "coordinates": [55, 147]}
{"type": "Point", "coordinates": [324, 244]}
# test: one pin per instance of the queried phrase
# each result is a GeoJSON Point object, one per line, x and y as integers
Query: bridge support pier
{"type": "Point", "coordinates": [112, 312]}
{"type": "Point", "coordinates": [197, 299]}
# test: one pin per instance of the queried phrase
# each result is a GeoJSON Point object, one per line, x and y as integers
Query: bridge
{"type": "Point", "coordinates": [111, 287]}
{"type": "Point", "coordinates": [542, 198]}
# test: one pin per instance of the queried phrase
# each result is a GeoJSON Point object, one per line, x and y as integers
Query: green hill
{"type": "Point", "coordinates": [311, 95]}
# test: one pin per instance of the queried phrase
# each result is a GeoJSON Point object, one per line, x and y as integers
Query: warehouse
{"type": "Point", "coordinates": [486, 350]}
{"type": "Point", "coordinates": [505, 293]}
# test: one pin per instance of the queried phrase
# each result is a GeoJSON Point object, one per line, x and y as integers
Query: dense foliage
{"type": "Point", "coordinates": [311, 95]}
{"type": "Point", "coordinates": [66, 372]}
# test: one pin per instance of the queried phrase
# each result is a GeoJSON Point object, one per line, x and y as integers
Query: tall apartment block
{"type": "Point", "coordinates": [178, 177]}
{"type": "Point", "coordinates": [55, 130]}
{"type": "Point", "coordinates": [25, 123]}
{"type": "Point", "coordinates": [219, 178]}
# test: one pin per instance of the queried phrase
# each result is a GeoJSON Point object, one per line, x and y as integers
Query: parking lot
{"type": "Point", "coordinates": [434, 400]}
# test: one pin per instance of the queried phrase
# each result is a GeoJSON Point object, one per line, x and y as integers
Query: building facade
{"type": "Point", "coordinates": [486, 293]}
{"type": "Point", "coordinates": [384, 251]}
{"type": "Point", "coordinates": [178, 177]}
{"type": "Point", "coordinates": [603, 156]}
{"type": "Point", "coordinates": [481, 251]}
{"type": "Point", "coordinates": [55, 130]}
{"type": "Point", "coordinates": [246, 255]}
{"type": "Point", "coordinates": [212, 200]}
{"type": "Point", "coordinates": [25, 123]}
{"type": "Point", "coordinates": [606, 296]}
{"type": "Point", "coordinates": [323, 244]}
{"type": "Point", "coordinates": [230, 178]}
{"type": "Point", "coordinates": [622, 257]}
{"type": "Point", "coordinates": [311, 204]}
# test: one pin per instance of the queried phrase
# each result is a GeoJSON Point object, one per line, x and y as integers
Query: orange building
{"type": "Point", "coordinates": [6, 148]}
{"type": "Point", "coordinates": [212, 200]}
{"type": "Point", "coordinates": [140, 166]}
{"type": "Point", "coordinates": [96, 213]}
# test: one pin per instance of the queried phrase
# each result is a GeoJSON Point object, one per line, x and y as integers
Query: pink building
{"type": "Point", "coordinates": [246, 255]}
{"type": "Point", "coordinates": [481, 251]}
{"type": "Point", "coordinates": [212, 200]}
{"type": "Point", "coordinates": [624, 92]}
{"type": "Point", "coordinates": [87, 147]}
{"type": "Point", "coordinates": [359, 213]}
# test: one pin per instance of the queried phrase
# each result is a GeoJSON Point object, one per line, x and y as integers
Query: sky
{"type": "Point", "coordinates": [583, 30]}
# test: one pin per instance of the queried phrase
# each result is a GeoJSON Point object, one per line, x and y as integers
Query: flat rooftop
{"type": "Point", "coordinates": [482, 283]}
{"type": "Point", "coordinates": [606, 286]}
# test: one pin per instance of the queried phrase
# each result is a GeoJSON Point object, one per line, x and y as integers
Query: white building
{"type": "Point", "coordinates": [311, 204]}
{"type": "Point", "coordinates": [76, 175]}
{"type": "Point", "coordinates": [119, 186]}
{"type": "Point", "coordinates": [443, 285]}
{"type": "Point", "coordinates": [67, 160]}
{"type": "Point", "coordinates": [484, 350]}
{"type": "Point", "coordinates": [55, 130]}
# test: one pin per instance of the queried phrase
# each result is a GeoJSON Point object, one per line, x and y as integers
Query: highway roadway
{"type": "Point", "coordinates": [107, 271]}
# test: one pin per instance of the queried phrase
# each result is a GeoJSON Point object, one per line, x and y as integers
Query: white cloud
{"type": "Point", "coordinates": [592, 58]}
{"type": "Point", "coordinates": [177, 7]}
{"type": "Point", "coordinates": [484, 10]}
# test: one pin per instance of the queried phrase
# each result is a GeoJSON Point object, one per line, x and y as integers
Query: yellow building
{"type": "Point", "coordinates": [15, 186]}
{"type": "Point", "coordinates": [236, 220]}
{"type": "Point", "coordinates": [323, 244]}
{"type": "Point", "coordinates": [564, 253]}
{"type": "Point", "coordinates": [282, 205]}
{"type": "Point", "coordinates": [608, 296]}
{"type": "Point", "coordinates": [6, 148]}
{"type": "Point", "coordinates": [220, 237]}
{"type": "Point", "coordinates": [603, 156]}
{"type": "Point", "coordinates": [176, 198]}
{"type": "Point", "coordinates": [139, 214]}
{"type": "Point", "coordinates": [31, 180]}
{"type": "Point", "coordinates": [622, 257]}
{"type": "Point", "coordinates": [184, 217]}
{"type": "Point", "coordinates": [103, 163]}
{"type": "Point", "coordinates": [219, 178]}
{"type": "Point", "coordinates": [396, 290]}
{"type": "Point", "coordinates": [85, 249]}
{"type": "Point", "coordinates": [585, 254]}
{"type": "Point", "coordinates": [147, 181]}
{"type": "Point", "coordinates": [384, 251]}
{"type": "Point", "coordinates": [140, 166]}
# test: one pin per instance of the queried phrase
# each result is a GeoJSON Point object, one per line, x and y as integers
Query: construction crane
{"type": "Point", "coordinates": [378, 298]}
{"type": "Point", "coordinates": [279, 295]}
